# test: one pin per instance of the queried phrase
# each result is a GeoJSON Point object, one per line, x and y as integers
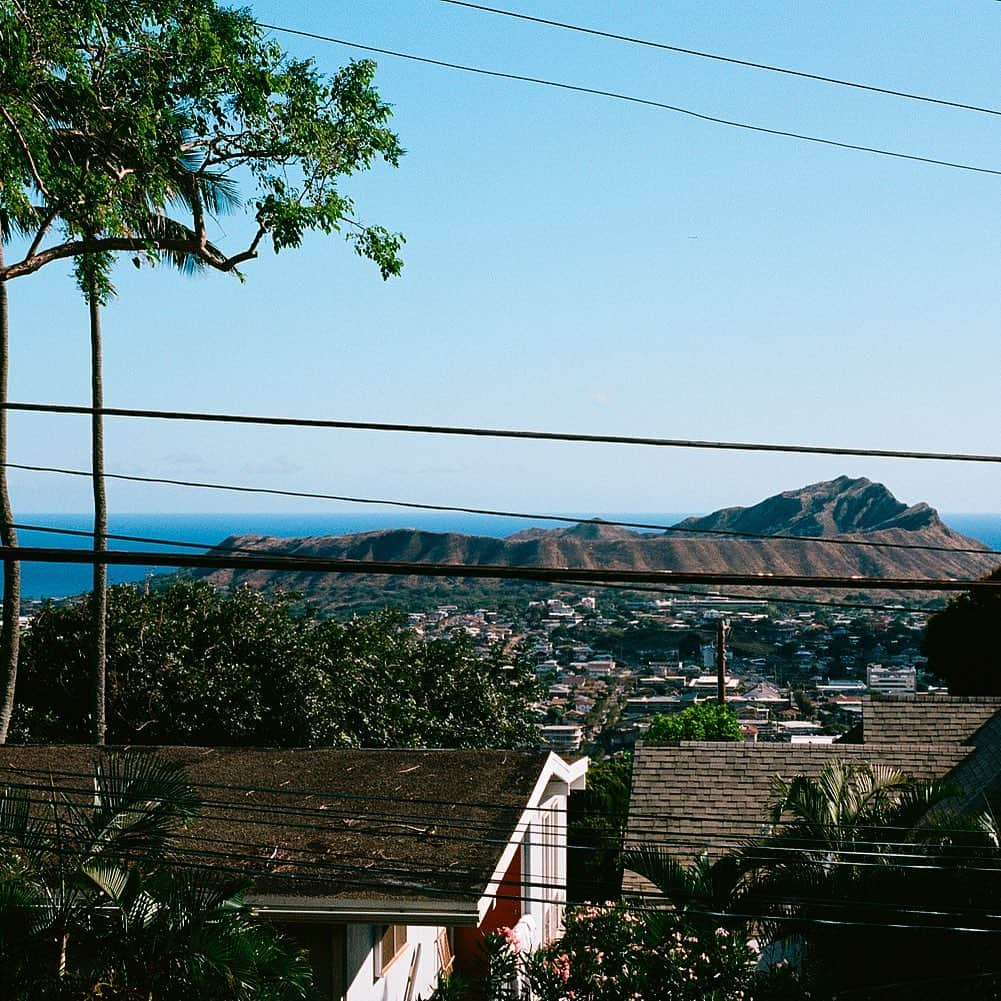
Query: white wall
{"type": "Point", "coordinates": [360, 962]}
{"type": "Point", "coordinates": [544, 861]}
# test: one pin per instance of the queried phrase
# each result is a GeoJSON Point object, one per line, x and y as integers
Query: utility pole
{"type": "Point", "coordinates": [722, 631]}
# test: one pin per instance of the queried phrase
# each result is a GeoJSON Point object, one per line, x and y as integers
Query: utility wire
{"type": "Point", "coordinates": [216, 862]}
{"type": "Point", "coordinates": [681, 592]}
{"type": "Point", "coordinates": [314, 871]}
{"type": "Point", "coordinates": [428, 828]}
{"type": "Point", "coordinates": [250, 851]}
{"type": "Point", "coordinates": [235, 851]}
{"type": "Point", "coordinates": [478, 432]}
{"type": "Point", "coordinates": [646, 102]}
{"type": "Point", "coordinates": [546, 574]}
{"type": "Point", "coordinates": [679, 530]}
{"type": "Point", "coordinates": [721, 58]}
{"type": "Point", "coordinates": [393, 802]}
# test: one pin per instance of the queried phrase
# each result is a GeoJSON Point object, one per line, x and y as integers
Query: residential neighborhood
{"type": "Point", "coordinates": [499, 503]}
{"type": "Point", "coordinates": [610, 665]}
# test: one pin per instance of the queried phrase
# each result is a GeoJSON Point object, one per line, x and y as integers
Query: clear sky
{"type": "Point", "coordinates": [580, 264]}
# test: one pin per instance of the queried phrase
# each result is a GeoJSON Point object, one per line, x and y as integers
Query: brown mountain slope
{"type": "Point", "coordinates": [843, 510]}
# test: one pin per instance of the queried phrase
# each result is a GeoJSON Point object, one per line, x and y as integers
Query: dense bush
{"type": "Point", "coordinates": [190, 665]}
{"type": "Point", "coordinates": [616, 953]}
{"type": "Point", "coordinates": [705, 721]}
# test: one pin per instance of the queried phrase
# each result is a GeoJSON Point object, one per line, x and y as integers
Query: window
{"type": "Point", "coordinates": [443, 948]}
{"type": "Point", "coordinates": [392, 941]}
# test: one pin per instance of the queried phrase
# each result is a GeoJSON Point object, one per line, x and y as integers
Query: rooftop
{"type": "Point", "coordinates": [416, 825]}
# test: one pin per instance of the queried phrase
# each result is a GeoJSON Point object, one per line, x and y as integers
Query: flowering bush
{"type": "Point", "coordinates": [612, 953]}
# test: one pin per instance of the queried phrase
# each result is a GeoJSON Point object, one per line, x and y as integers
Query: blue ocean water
{"type": "Point", "coordinates": [53, 580]}
{"type": "Point", "coordinates": [48, 580]}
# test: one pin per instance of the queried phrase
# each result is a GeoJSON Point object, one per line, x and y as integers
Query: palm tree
{"type": "Point", "coordinates": [9, 627]}
{"type": "Point", "coordinates": [865, 878]}
{"type": "Point", "coordinates": [704, 890]}
{"type": "Point", "coordinates": [216, 194]}
{"type": "Point", "coordinates": [90, 905]}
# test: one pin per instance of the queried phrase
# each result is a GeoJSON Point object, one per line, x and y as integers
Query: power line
{"type": "Point", "coordinates": [646, 102]}
{"type": "Point", "coordinates": [81, 533]}
{"type": "Point", "coordinates": [243, 851]}
{"type": "Point", "coordinates": [811, 602]}
{"type": "Point", "coordinates": [575, 575]}
{"type": "Point", "coordinates": [221, 862]}
{"type": "Point", "coordinates": [721, 58]}
{"type": "Point", "coordinates": [423, 801]}
{"type": "Point", "coordinates": [403, 826]}
{"type": "Point", "coordinates": [614, 587]}
{"type": "Point", "coordinates": [478, 432]}
{"type": "Point", "coordinates": [391, 866]}
{"type": "Point", "coordinates": [490, 513]}
{"type": "Point", "coordinates": [313, 871]}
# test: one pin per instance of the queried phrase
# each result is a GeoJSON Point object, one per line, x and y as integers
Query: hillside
{"type": "Point", "coordinates": [842, 510]}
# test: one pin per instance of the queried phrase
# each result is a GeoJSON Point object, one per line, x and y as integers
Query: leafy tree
{"type": "Point", "coordinates": [963, 642]}
{"type": "Point", "coordinates": [114, 112]}
{"type": "Point", "coordinates": [704, 721]}
{"type": "Point", "coordinates": [190, 665]}
{"type": "Point", "coordinates": [90, 905]}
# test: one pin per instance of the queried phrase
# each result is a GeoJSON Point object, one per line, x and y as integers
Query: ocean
{"type": "Point", "coordinates": [46, 580]}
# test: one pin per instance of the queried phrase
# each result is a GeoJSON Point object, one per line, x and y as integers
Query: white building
{"type": "Point", "coordinates": [891, 680]}
{"type": "Point", "coordinates": [563, 737]}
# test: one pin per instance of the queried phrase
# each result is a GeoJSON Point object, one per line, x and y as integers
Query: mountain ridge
{"type": "Point", "coordinates": [842, 510]}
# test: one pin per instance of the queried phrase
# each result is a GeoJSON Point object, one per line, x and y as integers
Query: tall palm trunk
{"type": "Point", "coordinates": [99, 597]}
{"type": "Point", "coordinates": [10, 629]}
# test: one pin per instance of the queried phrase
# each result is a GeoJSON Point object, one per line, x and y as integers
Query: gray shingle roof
{"type": "Point", "coordinates": [320, 822]}
{"type": "Point", "coordinates": [927, 719]}
{"type": "Point", "coordinates": [699, 797]}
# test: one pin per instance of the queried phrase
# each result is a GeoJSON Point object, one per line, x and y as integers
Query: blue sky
{"type": "Point", "coordinates": [575, 263]}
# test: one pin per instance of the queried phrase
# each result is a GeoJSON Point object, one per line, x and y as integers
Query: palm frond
{"type": "Point", "coordinates": [140, 799]}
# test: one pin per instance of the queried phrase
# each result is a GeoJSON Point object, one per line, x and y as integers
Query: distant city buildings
{"type": "Point", "coordinates": [792, 676]}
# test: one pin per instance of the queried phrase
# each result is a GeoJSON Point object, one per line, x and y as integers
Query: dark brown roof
{"type": "Point", "coordinates": [700, 796]}
{"type": "Point", "coordinates": [927, 719]}
{"type": "Point", "coordinates": [416, 825]}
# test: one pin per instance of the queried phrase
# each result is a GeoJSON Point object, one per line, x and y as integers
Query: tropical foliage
{"type": "Point", "coordinates": [596, 828]}
{"type": "Point", "coordinates": [612, 952]}
{"type": "Point", "coordinates": [704, 721]}
{"type": "Point", "coordinates": [868, 885]}
{"type": "Point", "coordinates": [92, 906]}
{"type": "Point", "coordinates": [868, 864]}
{"type": "Point", "coordinates": [131, 126]}
{"type": "Point", "coordinates": [190, 665]}
{"type": "Point", "coordinates": [963, 642]}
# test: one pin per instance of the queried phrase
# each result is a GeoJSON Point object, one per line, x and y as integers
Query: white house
{"type": "Point", "coordinates": [388, 866]}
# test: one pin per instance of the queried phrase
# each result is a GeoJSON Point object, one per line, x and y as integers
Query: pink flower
{"type": "Point", "coordinates": [510, 936]}
{"type": "Point", "coordinates": [561, 966]}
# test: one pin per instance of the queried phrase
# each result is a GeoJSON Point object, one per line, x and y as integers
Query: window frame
{"type": "Point", "coordinates": [399, 942]}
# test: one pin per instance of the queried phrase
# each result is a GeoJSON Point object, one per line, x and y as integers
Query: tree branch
{"type": "Point", "coordinates": [39, 183]}
{"type": "Point", "coordinates": [250, 253]}
{"type": "Point", "coordinates": [42, 230]}
{"type": "Point", "coordinates": [195, 246]}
